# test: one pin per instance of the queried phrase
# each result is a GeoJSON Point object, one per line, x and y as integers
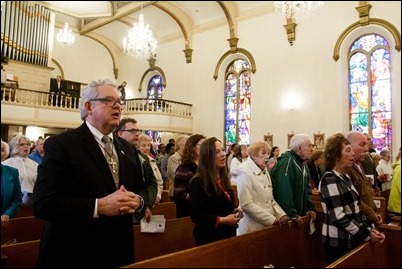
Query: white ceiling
{"type": "Point", "coordinates": [109, 21]}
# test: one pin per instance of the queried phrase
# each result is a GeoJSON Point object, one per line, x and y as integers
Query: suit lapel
{"type": "Point", "coordinates": [97, 156]}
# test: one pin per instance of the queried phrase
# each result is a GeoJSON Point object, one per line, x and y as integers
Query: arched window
{"type": "Point", "coordinates": [370, 89]}
{"type": "Point", "coordinates": [155, 91]}
{"type": "Point", "coordinates": [237, 103]}
{"type": "Point", "coordinates": [155, 87]}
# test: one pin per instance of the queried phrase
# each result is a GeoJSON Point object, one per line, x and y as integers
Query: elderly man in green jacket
{"type": "Point", "coordinates": [291, 179]}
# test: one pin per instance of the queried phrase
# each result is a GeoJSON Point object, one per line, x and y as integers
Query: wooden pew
{"type": "Point", "coordinates": [380, 203]}
{"type": "Point", "coordinates": [385, 194]}
{"type": "Point", "coordinates": [315, 198]}
{"type": "Point", "coordinates": [165, 196]}
{"type": "Point", "coordinates": [367, 255]}
{"type": "Point", "coordinates": [178, 235]}
{"type": "Point", "coordinates": [275, 245]}
{"type": "Point", "coordinates": [395, 221]}
{"type": "Point", "coordinates": [21, 255]}
{"type": "Point", "coordinates": [24, 211]}
{"type": "Point", "coordinates": [234, 188]}
{"type": "Point", "coordinates": [282, 246]}
{"type": "Point", "coordinates": [167, 208]}
{"type": "Point", "coordinates": [22, 229]}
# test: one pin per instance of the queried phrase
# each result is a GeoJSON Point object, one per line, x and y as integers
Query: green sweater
{"type": "Point", "coordinates": [291, 184]}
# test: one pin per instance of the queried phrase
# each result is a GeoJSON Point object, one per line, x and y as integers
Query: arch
{"type": "Point", "coordinates": [155, 68]}
{"type": "Point", "coordinates": [387, 25]}
{"type": "Point", "coordinates": [228, 8]}
{"type": "Point", "coordinates": [179, 21]}
{"type": "Point", "coordinates": [59, 66]}
{"type": "Point", "coordinates": [238, 50]}
{"type": "Point", "coordinates": [115, 69]}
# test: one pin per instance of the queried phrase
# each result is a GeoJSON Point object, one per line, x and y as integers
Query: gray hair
{"type": "Point", "coordinates": [90, 91]}
{"type": "Point", "coordinates": [181, 141]}
{"type": "Point", "coordinates": [353, 135]}
{"type": "Point", "coordinates": [144, 138]}
{"type": "Point", "coordinates": [384, 153]}
{"type": "Point", "coordinates": [298, 140]}
{"type": "Point", "coordinates": [6, 148]}
{"type": "Point", "coordinates": [14, 144]}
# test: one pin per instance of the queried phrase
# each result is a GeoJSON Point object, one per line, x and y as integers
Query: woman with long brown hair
{"type": "Point", "coordinates": [212, 201]}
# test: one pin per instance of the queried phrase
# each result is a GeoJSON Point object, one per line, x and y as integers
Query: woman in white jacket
{"type": "Point", "coordinates": [254, 189]}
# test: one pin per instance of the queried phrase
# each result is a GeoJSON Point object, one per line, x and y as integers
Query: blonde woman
{"type": "Point", "coordinates": [254, 189]}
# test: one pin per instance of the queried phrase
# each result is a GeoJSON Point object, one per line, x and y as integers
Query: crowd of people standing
{"type": "Point", "coordinates": [93, 192]}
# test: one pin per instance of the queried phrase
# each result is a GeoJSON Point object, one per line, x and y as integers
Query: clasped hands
{"type": "Point", "coordinates": [282, 220]}
{"type": "Point", "coordinates": [299, 219]}
{"type": "Point", "coordinates": [376, 236]}
{"type": "Point", "coordinates": [120, 202]}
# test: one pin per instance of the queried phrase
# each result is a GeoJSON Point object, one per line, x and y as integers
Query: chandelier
{"type": "Point", "coordinates": [65, 35]}
{"type": "Point", "coordinates": [297, 9]}
{"type": "Point", "coordinates": [140, 42]}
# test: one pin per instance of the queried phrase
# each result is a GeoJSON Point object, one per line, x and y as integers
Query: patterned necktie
{"type": "Point", "coordinates": [110, 159]}
{"type": "Point", "coordinates": [108, 145]}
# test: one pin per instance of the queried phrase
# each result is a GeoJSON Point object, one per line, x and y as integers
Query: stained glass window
{"type": "Point", "coordinates": [155, 87]}
{"type": "Point", "coordinates": [237, 103]}
{"type": "Point", "coordinates": [155, 91]}
{"type": "Point", "coordinates": [370, 89]}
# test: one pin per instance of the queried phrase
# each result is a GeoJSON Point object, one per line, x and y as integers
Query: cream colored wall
{"type": "Point", "coordinates": [305, 70]}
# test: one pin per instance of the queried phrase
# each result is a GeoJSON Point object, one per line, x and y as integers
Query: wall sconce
{"type": "Point", "coordinates": [292, 101]}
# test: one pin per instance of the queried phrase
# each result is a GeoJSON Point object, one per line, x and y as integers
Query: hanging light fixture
{"type": "Point", "coordinates": [140, 42]}
{"type": "Point", "coordinates": [297, 9]}
{"type": "Point", "coordinates": [65, 35]}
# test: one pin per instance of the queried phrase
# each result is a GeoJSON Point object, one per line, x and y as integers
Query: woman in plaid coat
{"type": "Point", "coordinates": [343, 226]}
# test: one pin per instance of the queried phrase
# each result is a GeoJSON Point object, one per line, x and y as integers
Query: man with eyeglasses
{"type": "Point", "coordinates": [88, 188]}
{"type": "Point", "coordinates": [128, 130]}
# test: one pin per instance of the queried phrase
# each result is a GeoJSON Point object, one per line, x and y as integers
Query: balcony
{"type": "Point", "coordinates": [27, 107]}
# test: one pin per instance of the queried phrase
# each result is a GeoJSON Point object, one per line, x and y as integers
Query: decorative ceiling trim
{"type": "Point", "coordinates": [172, 12]}
{"type": "Point", "coordinates": [120, 13]}
{"type": "Point", "coordinates": [230, 10]}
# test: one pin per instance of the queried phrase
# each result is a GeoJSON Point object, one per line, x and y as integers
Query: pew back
{"type": "Point", "coordinates": [24, 211]}
{"type": "Point", "coordinates": [167, 208]}
{"type": "Point", "coordinates": [21, 255]}
{"type": "Point", "coordinates": [234, 188]}
{"type": "Point", "coordinates": [165, 196]}
{"type": "Point", "coordinates": [22, 229]}
{"type": "Point", "coordinates": [282, 246]}
{"type": "Point", "coordinates": [178, 235]}
{"type": "Point", "coordinates": [367, 255]}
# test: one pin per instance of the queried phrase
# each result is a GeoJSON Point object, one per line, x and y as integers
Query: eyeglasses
{"type": "Point", "coordinates": [109, 101]}
{"type": "Point", "coordinates": [24, 144]}
{"type": "Point", "coordinates": [133, 131]}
